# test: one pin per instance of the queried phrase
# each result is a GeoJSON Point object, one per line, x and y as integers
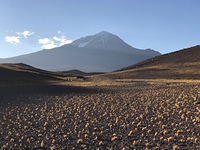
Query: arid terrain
{"type": "Point", "coordinates": [118, 110]}
{"type": "Point", "coordinates": [182, 64]}
{"type": "Point", "coordinates": [134, 115]}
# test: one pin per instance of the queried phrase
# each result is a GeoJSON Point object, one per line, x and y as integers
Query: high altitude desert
{"type": "Point", "coordinates": [154, 104]}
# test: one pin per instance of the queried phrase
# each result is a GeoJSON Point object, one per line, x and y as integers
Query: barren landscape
{"type": "Point", "coordinates": [133, 115]}
{"type": "Point", "coordinates": [119, 110]}
{"type": "Point", "coordinates": [99, 75]}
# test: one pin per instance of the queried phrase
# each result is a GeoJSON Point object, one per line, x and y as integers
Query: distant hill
{"type": "Point", "coordinates": [102, 52]}
{"type": "Point", "coordinates": [74, 72]}
{"type": "Point", "coordinates": [182, 64]}
{"type": "Point", "coordinates": [22, 74]}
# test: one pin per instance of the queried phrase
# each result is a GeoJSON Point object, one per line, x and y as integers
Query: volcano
{"type": "Point", "coordinates": [102, 52]}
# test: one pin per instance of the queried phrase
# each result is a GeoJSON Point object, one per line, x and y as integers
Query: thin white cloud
{"type": "Point", "coordinates": [12, 39]}
{"type": "Point", "coordinates": [49, 45]}
{"type": "Point", "coordinates": [56, 38]}
{"type": "Point", "coordinates": [55, 42]}
{"type": "Point", "coordinates": [44, 41]}
{"type": "Point", "coordinates": [25, 33]}
{"type": "Point", "coordinates": [62, 40]}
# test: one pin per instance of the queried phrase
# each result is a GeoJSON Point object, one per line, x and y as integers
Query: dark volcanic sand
{"type": "Point", "coordinates": [137, 116]}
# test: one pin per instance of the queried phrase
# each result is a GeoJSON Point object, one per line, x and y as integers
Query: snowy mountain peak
{"type": "Point", "coordinates": [102, 39]}
{"type": "Point", "coordinates": [103, 33]}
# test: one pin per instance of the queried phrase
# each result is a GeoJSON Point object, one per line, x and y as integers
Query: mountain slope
{"type": "Point", "coordinates": [182, 64]}
{"type": "Point", "coordinates": [102, 52]}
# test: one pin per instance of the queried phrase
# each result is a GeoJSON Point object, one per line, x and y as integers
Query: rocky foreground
{"type": "Point", "coordinates": [133, 116]}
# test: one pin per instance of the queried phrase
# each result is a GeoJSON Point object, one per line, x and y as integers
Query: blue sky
{"type": "Point", "coordinates": [32, 25]}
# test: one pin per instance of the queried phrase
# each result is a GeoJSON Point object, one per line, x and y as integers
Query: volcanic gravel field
{"type": "Point", "coordinates": [128, 116]}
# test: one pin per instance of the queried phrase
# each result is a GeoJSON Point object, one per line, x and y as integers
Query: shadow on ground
{"type": "Point", "coordinates": [15, 94]}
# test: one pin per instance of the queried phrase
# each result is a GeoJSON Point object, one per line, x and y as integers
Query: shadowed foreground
{"type": "Point", "coordinates": [22, 94]}
{"type": "Point", "coordinates": [129, 116]}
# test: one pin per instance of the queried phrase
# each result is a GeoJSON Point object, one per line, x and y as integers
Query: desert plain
{"type": "Point", "coordinates": [101, 114]}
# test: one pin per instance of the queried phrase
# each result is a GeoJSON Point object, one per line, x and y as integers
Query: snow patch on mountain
{"type": "Point", "coordinates": [101, 37]}
{"type": "Point", "coordinates": [82, 44]}
{"type": "Point", "coordinates": [85, 43]}
{"type": "Point", "coordinates": [104, 37]}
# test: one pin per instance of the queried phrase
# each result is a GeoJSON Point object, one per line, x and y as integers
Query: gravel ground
{"type": "Point", "coordinates": [135, 116]}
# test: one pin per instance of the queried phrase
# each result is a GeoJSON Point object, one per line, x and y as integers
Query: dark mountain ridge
{"type": "Point", "coordinates": [182, 64]}
{"type": "Point", "coordinates": [22, 74]}
{"type": "Point", "coordinates": [183, 56]}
